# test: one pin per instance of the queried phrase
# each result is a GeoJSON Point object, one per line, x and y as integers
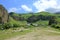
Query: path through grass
{"type": "Point", "coordinates": [39, 33]}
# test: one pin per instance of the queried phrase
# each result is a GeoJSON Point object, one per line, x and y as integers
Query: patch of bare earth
{"type": "Point", "coordinates": [38, 34]}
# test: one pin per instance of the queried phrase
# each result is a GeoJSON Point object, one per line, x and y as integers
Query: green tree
{"type": "Point", "coordinates": [52, 20]}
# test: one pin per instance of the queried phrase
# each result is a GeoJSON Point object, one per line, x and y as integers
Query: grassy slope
{"type": "Point", "coordinates": [17, 22]}
{"type": "Point", "coordinates": [36, 14]}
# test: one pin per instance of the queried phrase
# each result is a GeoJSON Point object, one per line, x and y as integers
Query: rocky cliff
{"type": "Point", "coordinates": [3, 15]}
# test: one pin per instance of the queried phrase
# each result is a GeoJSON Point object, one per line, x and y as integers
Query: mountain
{"type": "Point", "coordinates": [52, 10]}
{"type": "Point", "coordinates": [57, 13]}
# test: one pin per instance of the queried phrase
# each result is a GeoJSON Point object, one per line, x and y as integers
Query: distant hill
{"type": "Point", "coordinates": [28, 17]}
{"type": "Point", "coordinates": [57, 13]}
{"type": "Point", "coordinates": [52, 10]}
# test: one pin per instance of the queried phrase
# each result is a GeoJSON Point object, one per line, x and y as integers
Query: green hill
{"type": "Point", "coordinates": [23, 19]}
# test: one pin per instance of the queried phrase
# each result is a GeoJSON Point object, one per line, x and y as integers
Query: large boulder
{"type": "Point", "coordinates": [3, 15]}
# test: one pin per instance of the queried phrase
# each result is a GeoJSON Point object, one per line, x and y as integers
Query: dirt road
{"type": "Point", "coordinates": [39, 34]}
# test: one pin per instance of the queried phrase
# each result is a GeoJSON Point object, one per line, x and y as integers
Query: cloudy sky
{"type": "Point", "coordinates": [22, 6]}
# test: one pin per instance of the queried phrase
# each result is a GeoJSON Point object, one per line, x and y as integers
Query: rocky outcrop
{"type": "Point", "coordinates": [3, 15]}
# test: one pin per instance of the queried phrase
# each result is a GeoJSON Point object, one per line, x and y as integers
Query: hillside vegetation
{"type": "Point", "coordinates": [34, 19]}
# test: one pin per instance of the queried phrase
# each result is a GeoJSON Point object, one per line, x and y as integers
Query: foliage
{"type": "Point", "coordinates": [1, 27]}
{"type": "Point", "coordinates": [55, 26]}
{"type": "Point", "coordinates": [7, 25]}
{"type": "Point", "coordinates": [16, 25]}
{"type": "Point", "coordinates": [52, 20]}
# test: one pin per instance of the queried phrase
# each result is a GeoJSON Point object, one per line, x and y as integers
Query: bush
{"type": "Point", "coordinates": [55, 26]}
{"type": "Point", "coordinates": [58, 26]}
{"type": "Point", "coordinates": [1, 27]}
{"type": "Point", "coordinates": [7, 25]}
{"type": "Point", "coordinates": [16, 25]}
{"type": "Point", "coordinates": [52, 21]}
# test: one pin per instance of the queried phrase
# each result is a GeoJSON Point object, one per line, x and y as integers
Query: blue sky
{"type": "Point", "coordinates": [22, 6]}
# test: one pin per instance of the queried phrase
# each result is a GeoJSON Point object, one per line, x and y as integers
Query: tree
{"type": "Point", "coordinates": [52, 20]}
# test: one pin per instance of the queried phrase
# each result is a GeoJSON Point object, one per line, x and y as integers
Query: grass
{"type": "Point", "coordinates": [50, 31]}
{"type": "Point", "coordinates": [12, 21]}
{"type": "Point", "coordinates": [4, 34]}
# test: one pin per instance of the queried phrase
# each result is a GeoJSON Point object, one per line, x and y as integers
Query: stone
{"type": "Point", "coordinates": [3, 15]}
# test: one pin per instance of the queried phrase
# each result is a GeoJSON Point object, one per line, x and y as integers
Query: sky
{"type": "Point", "coordinates": [23, 6]}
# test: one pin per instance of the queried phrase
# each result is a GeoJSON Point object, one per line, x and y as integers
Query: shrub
{"type": "Point", "coordinates": [55, 26]}
{"type": "Point", "coordinates": [1, 27]}
{"type": "Point", "coordinates": [52, 21]}
{"type": "Point", "coordinates": [7, 25]}
{"type": "Point", "coordinates": [58, 26]}
{"type": "Point", "coordinates": [16, 25]}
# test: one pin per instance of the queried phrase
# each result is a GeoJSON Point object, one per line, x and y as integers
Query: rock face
{"type": "Point", "coordinates": [3, 15]}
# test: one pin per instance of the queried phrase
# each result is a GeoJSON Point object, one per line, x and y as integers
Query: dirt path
{"type": "Point", "coordinates": [38, 34]}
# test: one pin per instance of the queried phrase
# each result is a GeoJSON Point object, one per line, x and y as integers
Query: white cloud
{"type": "Point", "coordinates": [26, 8]}
{"type": "Point", "coordinates": [41, 5]}
{"type": "Point", "coordinates": [14, 9]}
